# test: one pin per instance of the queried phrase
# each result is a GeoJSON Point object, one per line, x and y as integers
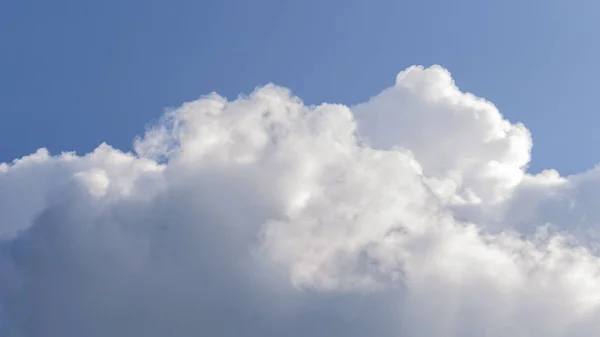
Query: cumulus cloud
{"type": "Point", "coordinates": [411, 214]}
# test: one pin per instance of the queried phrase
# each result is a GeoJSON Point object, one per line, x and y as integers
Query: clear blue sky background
{"type": "Point", "coordinates": [76, 73]}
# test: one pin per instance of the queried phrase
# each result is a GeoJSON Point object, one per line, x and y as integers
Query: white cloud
{"type": "Point", "coordinates": [462, 141]}
{"type": "Point", "coordinates": [407, 215]}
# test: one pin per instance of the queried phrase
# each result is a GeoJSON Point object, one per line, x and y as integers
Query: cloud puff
{"type": "Point", "coordinates": [410, 214]}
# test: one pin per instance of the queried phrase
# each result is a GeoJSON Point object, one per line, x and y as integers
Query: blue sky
{"type": "Point", "coordinates": [74, 74]}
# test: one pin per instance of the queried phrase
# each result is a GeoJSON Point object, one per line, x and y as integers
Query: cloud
{"type": "Point", "coordinates": [410, 214]}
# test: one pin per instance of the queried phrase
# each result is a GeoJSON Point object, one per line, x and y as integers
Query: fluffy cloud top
{"type": "Point", "coordinates": [408, 215]}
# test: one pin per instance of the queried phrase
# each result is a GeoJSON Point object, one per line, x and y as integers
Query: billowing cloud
{"type": "Point", "coordinates": [410, 215]}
